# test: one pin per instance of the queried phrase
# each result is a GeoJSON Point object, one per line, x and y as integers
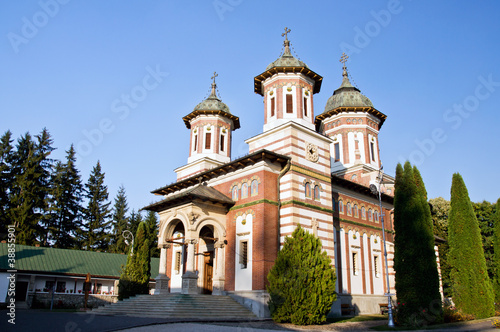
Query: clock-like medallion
{"type": "Point", "coordinates": [312, 152]}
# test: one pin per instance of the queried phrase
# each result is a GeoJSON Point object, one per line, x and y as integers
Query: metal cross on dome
{"type": "Point", "coordinates": [285, 34]}
{"type": "Point", "coordinates": [215, 75]}
{"type": "Point", "coordinates": [344, 58]}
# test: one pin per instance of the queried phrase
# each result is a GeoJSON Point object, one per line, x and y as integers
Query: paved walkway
{"type": "Point", "coordinates": [38, 320]}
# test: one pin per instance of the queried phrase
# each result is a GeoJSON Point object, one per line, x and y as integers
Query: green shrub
{"type": "Point", "coordinates": [302, 281]}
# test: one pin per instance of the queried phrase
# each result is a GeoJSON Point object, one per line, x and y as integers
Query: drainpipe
{"type": "Point", "coordinates": [282, 173]}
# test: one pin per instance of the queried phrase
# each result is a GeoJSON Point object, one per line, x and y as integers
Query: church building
{"type": "Point", "coordinates": [223, 221]}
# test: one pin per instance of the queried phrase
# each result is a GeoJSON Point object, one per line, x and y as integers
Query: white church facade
{"type": "Point", "coordinates": [222, 223]}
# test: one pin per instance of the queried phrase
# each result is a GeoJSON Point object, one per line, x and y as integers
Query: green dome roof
{"type": "Point", "coordinates": [347, 96]}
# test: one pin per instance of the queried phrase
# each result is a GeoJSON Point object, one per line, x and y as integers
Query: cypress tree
{"type": "Point", "coordinates": [302, 281]}
{"type": "Point", "coordinates": [66, 198]}
{"type": "Point", "coordinates": [496, 246]}
{"type": "Point", "coordinates": [417, 279]}
{"type": "Point", "coordinates": [152, 223]}
{"type": "Point", "coordinates": [136, 274]}
{"type": "Point", "coordinates": [96, 224]}
{"type": "Point", "coordinates": [472, 290]}
{"type": "Point", "coordinates": [120, 222]}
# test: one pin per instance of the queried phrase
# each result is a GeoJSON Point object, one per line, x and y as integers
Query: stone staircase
{"type": "Point", "coordinates": [179, 307]}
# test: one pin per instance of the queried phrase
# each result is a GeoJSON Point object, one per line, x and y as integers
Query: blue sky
{"type": "Point", "coordinates": [431, 67]}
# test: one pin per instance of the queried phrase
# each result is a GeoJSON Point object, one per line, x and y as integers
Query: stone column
{"type": "Point", "coordinates": [218, 282]}
{"type": "Point", "coordinates": [162, 280]}
{"type": "Point", "coordinates": [190, 278]}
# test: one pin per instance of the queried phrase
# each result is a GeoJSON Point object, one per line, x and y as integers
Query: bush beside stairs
{"type": "Point", "coordinates": [179, 306]}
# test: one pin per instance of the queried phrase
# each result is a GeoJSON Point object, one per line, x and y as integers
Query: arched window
{"type": "Point", "coordinates": [254, 187]}
{"type": "Point", "coordinates": [375, 216]}
{"type": "Point", "coordinates": [341, 206]}
{"type": "Point", "coordinates": [370, 214]}
{"type": "Point", "coordinates": [363, 212]}
{"type": "Point", "coordinates": [348, 206]}
{"type": "Point", "coordinates": [355, 210]}
{"type": "Point", "coordinates": [244, 190]}
{"type": "Point", "coordinates": [234, 193]}
{"type": "Point", "coordinates": [316, 193]}
{"type": "Point", "coordinates": [307, 190]}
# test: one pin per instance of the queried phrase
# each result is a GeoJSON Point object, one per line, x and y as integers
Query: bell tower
{"type": "Point", "coordinates": [211, 124]}
{"type": "Point", "coordinates": [353, 124]}
{"type": "Point", "coordinates": [287, 86]}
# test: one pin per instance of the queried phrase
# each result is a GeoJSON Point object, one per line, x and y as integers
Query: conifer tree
{"type": "Point", "coordinates": [302, 281]}
{"type": "Point", "coordinates": [484, 212]}
{"type": "Point", "coordinates": [417, 279]}
{"type": "Point", "coordinates": [30, 171]}
{"type": "Point", "coordinates": [472, 290]}
{"type": "Point", "coordinates": [66, 198]}
{"type": "Point", "coordinates": [6, 158]}
{"type": "Point", "coordinates": [496, 245]}
{"type": "Point", "coordinates": [135, 220]}
{"type": "Point", "coordinates": [96, 223]}
{"type": "Point", "coordinates": [152, 223]}
{"type": "Point", "coordinates": [136, 274]}
{"type": "Point", "coordinates": [120, 222]}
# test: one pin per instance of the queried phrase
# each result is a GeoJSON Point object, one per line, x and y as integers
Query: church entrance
{"type": "Point", "coordinates": [209, 272]}
{"type": "Point", "coordinates": [207, 241]}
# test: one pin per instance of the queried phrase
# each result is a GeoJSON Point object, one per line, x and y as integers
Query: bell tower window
{"type": "Point", "coordinates": [337, 151]}
{"type": "Point", "coordinates": [222, 142]}
{"type": "Point", "coordinates": [372, 150]}
{"type": "Point", "coordinates": [289, 103]}
{"type": "Point", "coordinates": [305, 106]}
{"type": "Point", "coordinates": [195, 145]}
{"type": "Point", "coordinates": [208, 140]}
{"type": "Point", "coordinates": [272, 106]}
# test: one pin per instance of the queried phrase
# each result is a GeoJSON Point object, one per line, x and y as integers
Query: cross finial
{"type": "Point", "coordinates": [215, 75]}
{"type": "Point", "coordinates": [285, 34]}
{"type": "Point", "coordinates": [344, 58]}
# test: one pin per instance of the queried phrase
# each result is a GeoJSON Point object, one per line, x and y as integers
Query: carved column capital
{"type": "Point", "coordinates": [166, 246]}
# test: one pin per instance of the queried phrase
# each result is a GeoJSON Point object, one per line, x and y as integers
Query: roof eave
{"type": "Point", "coordinates": [301, 70]}
{"type": "Point", "coordinates": [221, 170]}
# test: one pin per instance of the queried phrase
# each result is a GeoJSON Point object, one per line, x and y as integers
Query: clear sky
{"type": "Point", "coordinates": [431, 66]}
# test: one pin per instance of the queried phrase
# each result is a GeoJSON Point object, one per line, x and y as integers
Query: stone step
{"type": "Point", "coordinates": [179, 306]}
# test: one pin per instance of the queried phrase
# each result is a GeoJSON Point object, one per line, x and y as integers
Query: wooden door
{"type": "Point", "coordinates": [208, 272]}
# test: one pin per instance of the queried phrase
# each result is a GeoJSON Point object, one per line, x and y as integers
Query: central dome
{"type": "Point", "coordinates": [286, 60]}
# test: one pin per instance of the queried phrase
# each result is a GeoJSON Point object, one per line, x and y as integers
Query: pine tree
{"type": "Point", "coordinates": [120, 222]}
{"type": "Point", "coordinates": [302, 281]}
{"type": "Point", "coordinates": [496, 245]}
{"type": "Point", "coordinates": [66, 198]}
{"type": "Point", "coordinates": [472, 290]}
{"type": "Point", "coordinates": [152, 223]}
{"type": "Point", "coordinates": [135, 220]}
{"type": "Point", "coordinates": [30, 171]}
{"type": "Point", "coordinates": [6, 158]}
{"type": "Point", "coordinates": [417, 279]}
{"type": "Point", "coordinates": [96, 224]}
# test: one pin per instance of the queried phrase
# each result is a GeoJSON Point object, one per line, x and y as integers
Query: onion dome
{"type": "Point", "coordinates": [348, 98]}
{"type": "Point", "coordinates": [286, 63]}
{"type": "Point", "coordinates": [211, 105]}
